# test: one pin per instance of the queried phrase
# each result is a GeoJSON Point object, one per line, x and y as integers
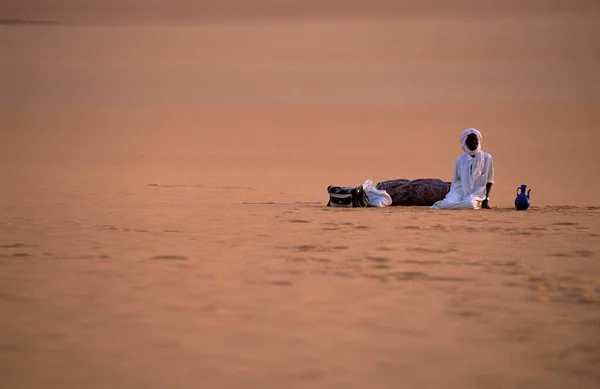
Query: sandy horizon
{"type": "Point", "coordinates": [185, 11]}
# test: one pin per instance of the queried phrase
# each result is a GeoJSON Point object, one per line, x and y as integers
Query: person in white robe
{"type": "Point", "coordinates": [473, 176]}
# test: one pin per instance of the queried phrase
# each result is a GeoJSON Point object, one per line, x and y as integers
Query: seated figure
{"type": "Point", "coordinates": [473, 176]}
{"type": "Point", "coordinates": [470, 187]}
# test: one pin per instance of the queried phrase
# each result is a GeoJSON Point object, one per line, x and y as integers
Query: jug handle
{"type": "Point", "coordinates": [529, 191]}
{"type": "Point", "coordinates": [518, 189]}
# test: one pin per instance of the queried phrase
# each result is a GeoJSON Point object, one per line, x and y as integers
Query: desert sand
{"type": "Point", "coordinates": [164, 174]}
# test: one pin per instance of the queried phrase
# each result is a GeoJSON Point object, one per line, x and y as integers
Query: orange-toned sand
{"type": "Point", "coordinates": [163, 181]}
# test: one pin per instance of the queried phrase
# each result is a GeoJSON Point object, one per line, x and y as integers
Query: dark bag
{"type": "Point", "coordinates": [422, 191]}
{"type": "Point", "coordinates": [344, 196]}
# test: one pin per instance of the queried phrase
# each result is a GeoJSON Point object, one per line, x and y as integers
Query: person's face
{"type": "Point", "coordinates": [472, 142]}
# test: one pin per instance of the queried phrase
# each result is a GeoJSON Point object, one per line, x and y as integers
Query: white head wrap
{"type": "Point", "coordinates": [476, 167]}
{"type": "Point", "coordinates": [463, 140]}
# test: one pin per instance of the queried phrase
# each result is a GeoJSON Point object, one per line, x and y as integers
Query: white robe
{"type": "Point", "coordinates": [467, 192]}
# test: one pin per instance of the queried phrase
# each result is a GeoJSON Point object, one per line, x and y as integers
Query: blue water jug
{"type": "Point", "coordinates": [522, 200]}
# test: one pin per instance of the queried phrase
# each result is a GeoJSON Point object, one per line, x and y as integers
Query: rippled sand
{"type": "Point", "coordinates": [200, 286]}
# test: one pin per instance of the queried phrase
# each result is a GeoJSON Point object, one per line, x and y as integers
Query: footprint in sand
{"type": "Point", "coordinates": [301, 221]}
{"type": "Point", "coordinates": [297, 259]}
{"type": "Point", "coordinates": [427, 250]}
{"type": "Point", "coordinates": [169, 258]}
{"type": "Point", "coordinates": [421, 276]}
{"type": "Point", "coordinates": [21, 255]}
{"type": "Point", "coordinates": [285, 272]}
{"type": "Point", "coordinates": [310, 247]}
{"type": "Point", "coordinates": [377, 259]}
{"type": "Point", "coordinates": [410, 275]}
{"type": "Point", "coordinates": [102, 256]}
{"type": "Point", "coordinates": [384, 249]}
{"type": "Point", "coordinates": [381, 266]}
{"type": "Point", "coordinates": [306, 247]}
{"type": "Point", "coordinates": [12, 245]}
{"type": "Point", "coordinates": [166, 185]}
{"type": "Point", "coordinates": [538, 228]}
{"type": "Point", "coordinates": [505, 263]}
{"type": "Point", "coordinates": [423, 262]}
{"type": "Point", "coordinates": [340, 247]}
{"type": "Point", "coordinates": [107, 227]}
{"type": "Point", "coordinates": [573, 254]}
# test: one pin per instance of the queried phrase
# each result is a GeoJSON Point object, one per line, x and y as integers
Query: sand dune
{"type": "Point", "coordinates": [113, 11]}
{"type": "Point", "coordinates": [163, 169]}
